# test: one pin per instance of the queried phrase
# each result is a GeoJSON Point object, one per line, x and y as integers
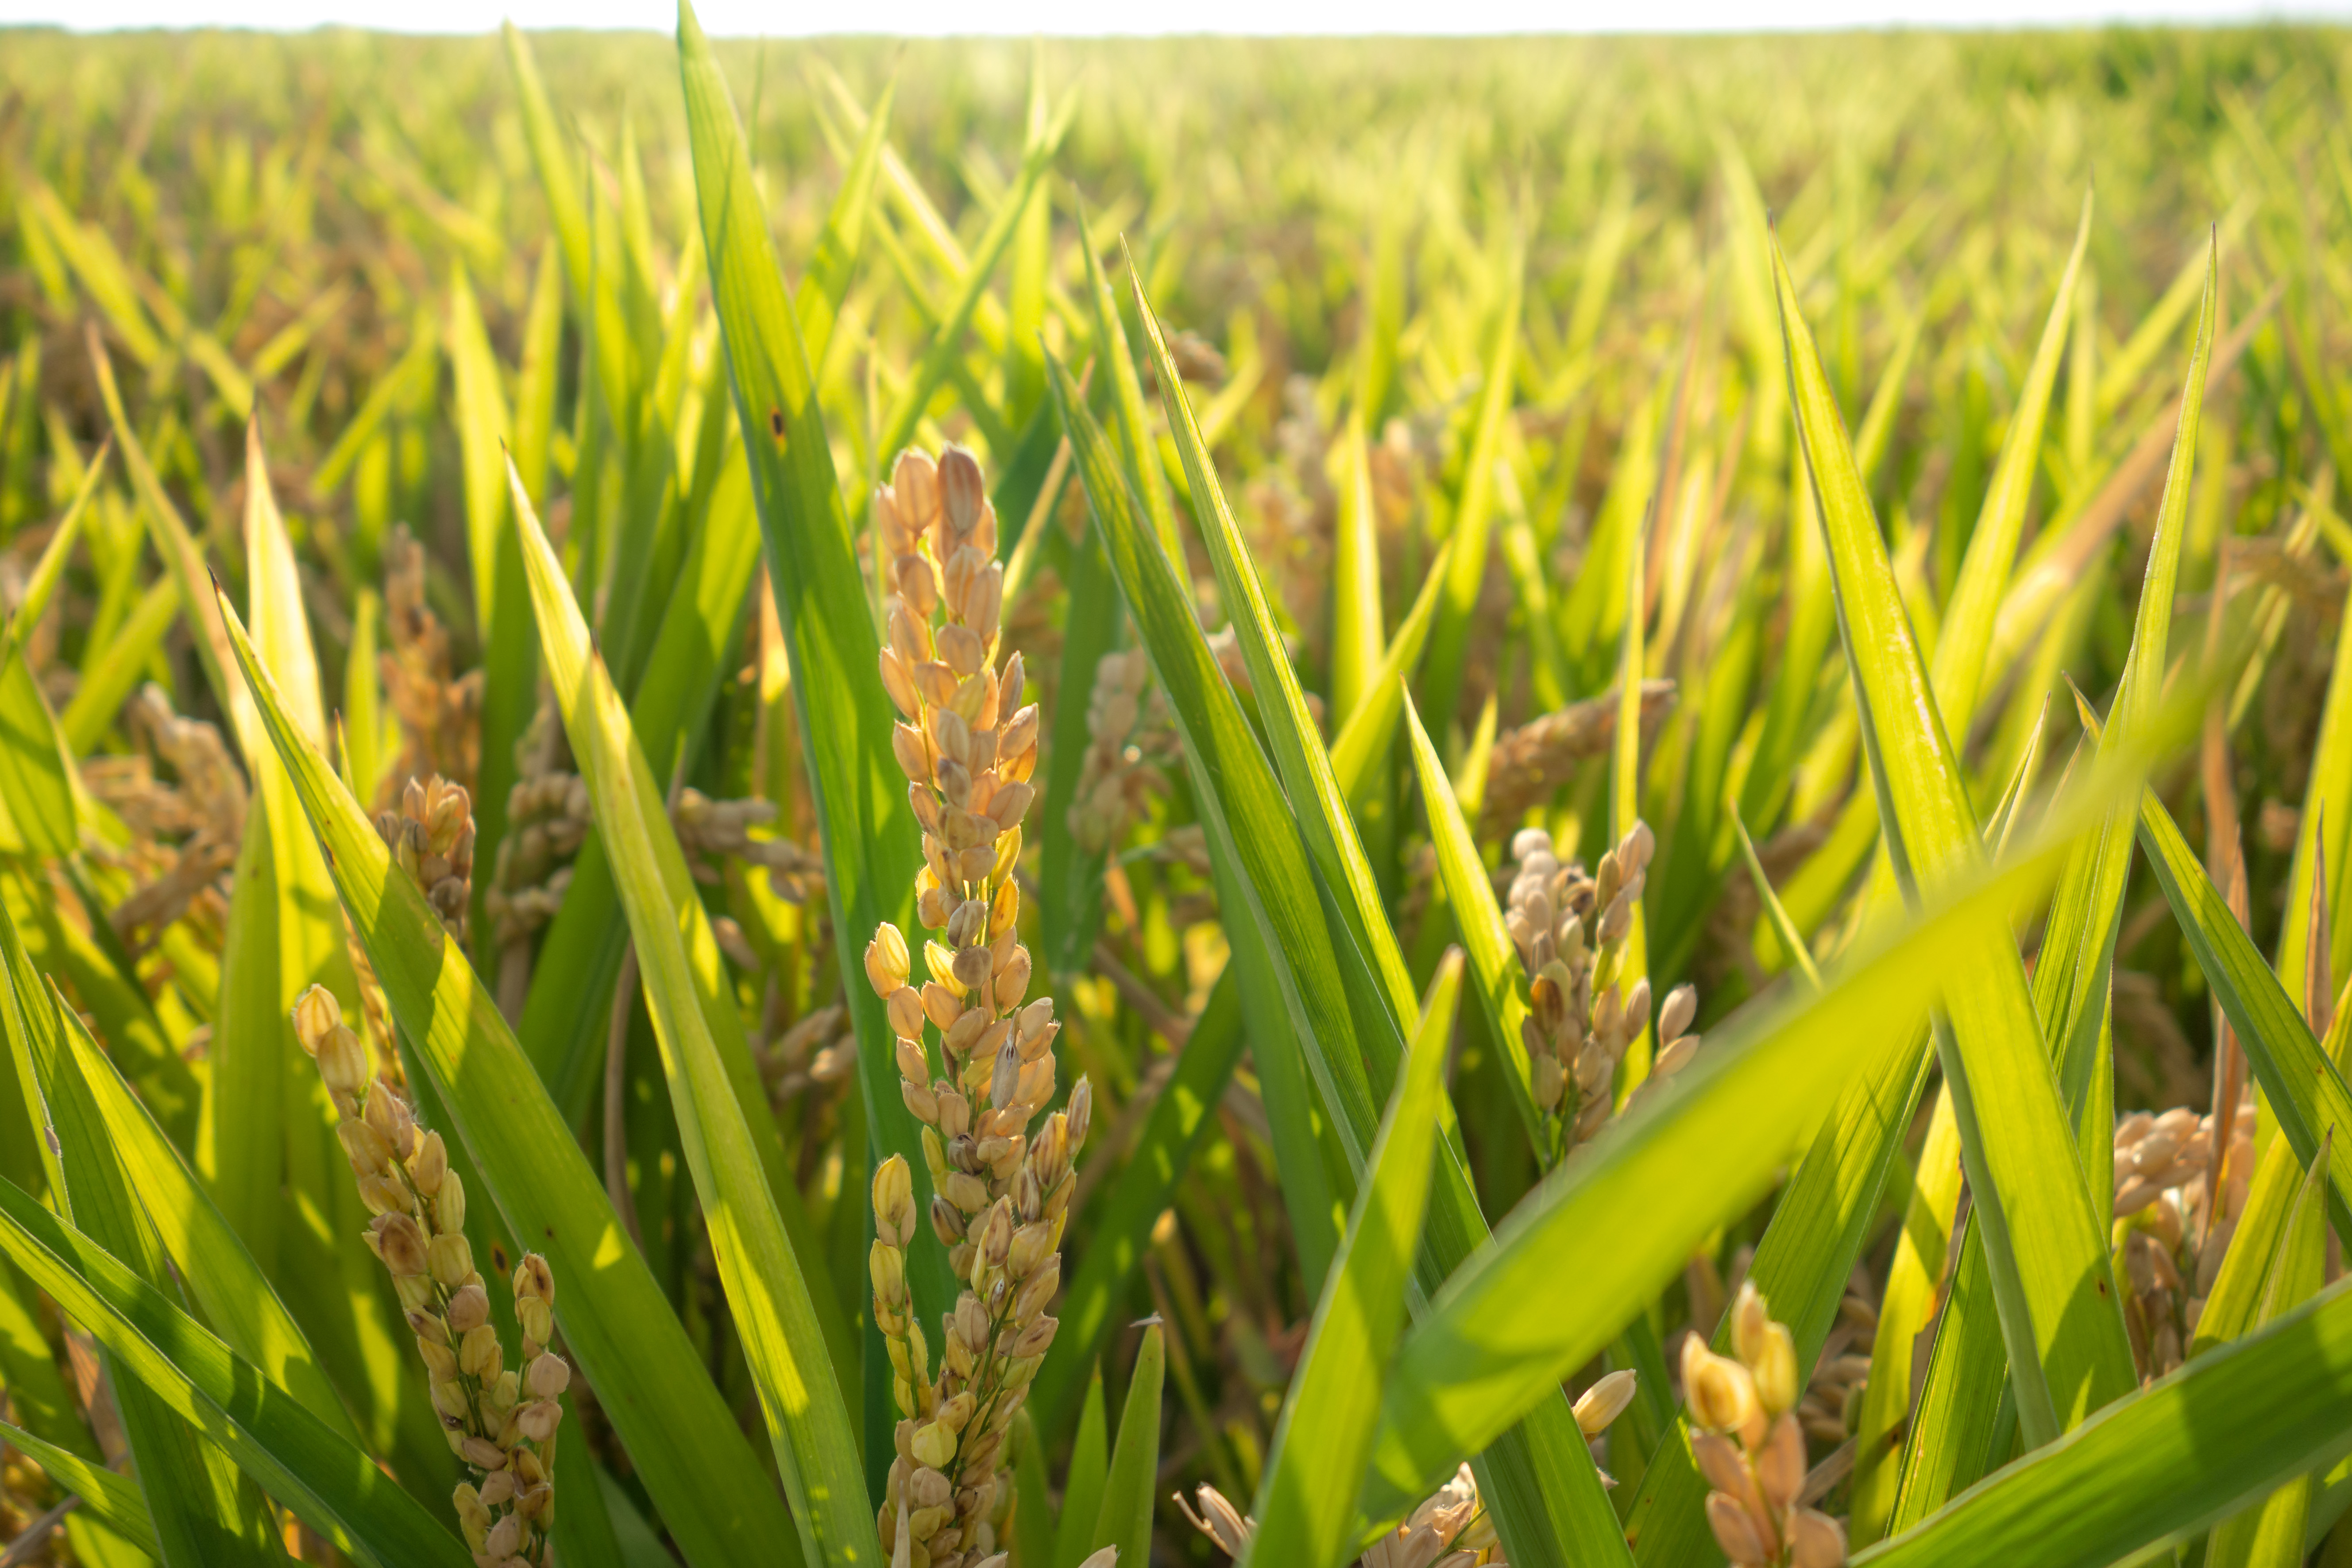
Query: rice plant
{"type": "Point", "coordinates": [974, 806]}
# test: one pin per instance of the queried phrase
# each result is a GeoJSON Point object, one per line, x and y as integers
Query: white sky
{"type": "Point", "coordinates": [784, 19]}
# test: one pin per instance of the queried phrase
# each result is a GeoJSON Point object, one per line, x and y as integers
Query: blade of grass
{"type": "Point", "coordinates": [1370, 733]}
{"type": "Point", "coordinates": [557, 174]}
{"type": "Point", "coordinates": [1356, 620]}
{"type": "Point", "coordinates": [1318, 974]}
{"type": "Point", "coordinates": [715, 1089]}
{"type": "Point", "coordinates": [2072, 977]}
{"type": "Point", "coordinates": [1792, 941]}
{"type": "Point", "coordinates": [2188, 1449]}
{"type": "Point", "coordinates": [1474, 515]}
{"type": "Point", "coordinates": [1621, 1220]}
{"type": "Point", "coordinates": [711, 1490]}
{"type": "Point", "coordinates": [203, 1509]}
{"type": "Point", "coordinates": [501, 600]}
{"type": "Point", "coordinates": [834, 264]}
{"type": "Point", "coordinates": [2237, 1292]}
{"type": "Point", "coordinates": [868, 833]}
{"type": "Point", "coordinates": [1304, 766]}
{"type": "Point", "coordinates": [115, 1498]}
{"type": "Point", "coordinates": [1307, 1497]}
{"type": "Point", "coordinates": [332, 1486]}
{"type": "Point", "coordinates": [2304, 1088]}
{"type": "Point", "coordinates": [1123, 1520]}
{"type": "Point", "coordinates": [1493, 962]}
{"type": "Point", "coordinates": [1070, 876]}
{"type": "Point", "coordinates": [228, 1287]}
{"type": "Point", "coordinates": [2052, 1278]}
{"type": "Point", "coordinates": [41, 585]}
{"type": "Point", "coordinates": [946, 344]}
{"type": "Point", "coordinates": [1082, 1483]}
{"type": "Point", "coordinates": [1179, 1123]}
{"type": "Point", "coordinates": [1965, 637]}
{"type": "Point", "coordinates": [2271, 1535]}
{"type": "Point", "coordinates": [1130, 425]}
{"type": "Point", "coordinates": [182, 557]}
{"type": "Point", "coordinates": [568, 1012]}
{"type": "Point", "coordinates": [1951, 1440]}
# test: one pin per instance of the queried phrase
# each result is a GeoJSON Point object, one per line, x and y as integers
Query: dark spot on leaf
{"type": "Point", "coordinates": [2102, 1287]}
{"type": "Point", "coordinates": [776, 423]}
{"type": "Point", "coordinates": [499, 1256]}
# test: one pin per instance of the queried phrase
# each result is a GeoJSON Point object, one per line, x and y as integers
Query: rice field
{"type": "Point", "coordinates": [1006, 805]}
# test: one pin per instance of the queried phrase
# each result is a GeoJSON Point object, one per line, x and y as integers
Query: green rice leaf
{"type": "Point", "coordinates": [1304, 766]}
{"type": "Point", "coordinates": [2188, 1449]}
{"type": "Point", "coordinates": [723, 1121]}
{"type": "Point", "coordinates": [204, 1511]}
{"type": "Point", "coordinates": [870, 850]}
{"type": "Point", "coordinates": [1357, 636]}
{"type": "Point", "coordinates": [182, 557]}
{"type": "Point", "coordinates": [2237, 1294]}
{"type": "Point", "coordinates": [2271, 1535]}
{"type": "Point", "coordinates": [1371, 731]}
{"type": "Point", "coordinates": [1123, 1520]}
{"type": "Point", "coordinates": [1178, 1123]}
{"type": "Point", "coordinates": [221, 1275]}
{"type": "Point", "coordinates": [711, 1490]}
{"type": "Point", "coordinates": [207, 1388]}
{"type": "Point", "coordinates": [560, 175]}
{"type": "Point", "coordinates": [113, 1498]}
{"type": "Point", "coordinates": [1070, 876]}
{"type": "Point", "coordinates": [2051, 1277]}
{"type": "Point", "coordinates": [1474, 515]}
{"type": "Point", "coordinates": [41, 586]}
{"type": "Point", "coordinates": [1494, 962]}
{"type": "Point", "coordinates": [1306, 1502]}
{"type": "Point", "coordinates": [568, 1012]}
{"type": "Point", "coordinates": [89, 713]}
{"type": "Point", "coordinates": [502, 599]}
{"type": "Point", "coordinates": [1129, 423]}
{"type": "Point", "coordinates": [1082, 1484]}
{"type": "Point", "coordinates": [1951, 1442]}
{"type": "Point", "coordinates": [1549, 1491]}
{"type": "Point", "coordinates": [1622, 1217]}
{"type": "Point", "coordinates": [947, 343]}
{"type": "Point", "coordinates": [2304, 1090]}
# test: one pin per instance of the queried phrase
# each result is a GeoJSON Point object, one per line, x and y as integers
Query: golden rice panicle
{"type": "Point", "coordinates": [2175, 1234]}
{"type": "Point", "coordinates": [1751, 1447]}
{"type": "Point", "coordinates": [206, 811]}
{"type": "Point", "coordinates": [548, 819]}
{"type": "Point", "coordinates": [1113, 780]}
{"type": "Point", "coordinates": [1538, 757]}
{"type": "Point", "coordinates": [711, 831]}
{"type": "Point", "coordinates": [500, 1420]}
{"type": "Point", "coordinates": [440, 714]}
{"type": "Point", "coordinates": [1831, 1408]}
{"type": "Point", "coordinates": [1571, 929]}
{"type": "Point", "coordinates": [432, 837]}
{"type": "Point", "coordinates": [1001, 1195]}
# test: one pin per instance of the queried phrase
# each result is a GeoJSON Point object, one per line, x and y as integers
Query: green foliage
{"type": "Point", "coordinates": [1746, 438]}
